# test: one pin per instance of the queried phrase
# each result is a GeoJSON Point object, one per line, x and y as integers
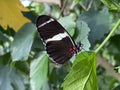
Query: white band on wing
{"type": "Point", "coordinates": [46, 22]}
{"type": "Point", "coordinates": [57, 37]}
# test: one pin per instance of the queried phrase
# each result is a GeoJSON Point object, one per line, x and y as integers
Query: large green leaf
{"type": "Point", "coordinates": [99, 23]}
{"type": "Point", "coordinates": [38, 72]}
{"type": "Point", "coordinates": [68, 23]}
{"type": "Point", "coordinates": [83, 73]}
{"type": "Point", "coordinates": [22, 43]}
{"type": "Point", "coordinates": [10, 79]}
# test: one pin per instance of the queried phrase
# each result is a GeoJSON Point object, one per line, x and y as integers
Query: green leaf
{"type": "Point", "coordinates": [99, 23]}
{"type": "Point", "coordinates": [22, 43]}
{"type": "Point", "coordinates": [10, 79]}
{"type": "Point", "coordinates": [83, 34]}
{"type": "Point", "coordinates": [68, 23]}
{"type": "Point", "coordinates": [77, 1]}
{"type": "Point", "coordinates": [83, 73]}
{"type": "Point", "coordinates": [112, 4]}
{"type": "Point", "coordinates": [38, 71]}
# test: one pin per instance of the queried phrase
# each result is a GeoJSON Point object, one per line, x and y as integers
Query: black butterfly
{"type": "Point", "coordinates": [58, 43]}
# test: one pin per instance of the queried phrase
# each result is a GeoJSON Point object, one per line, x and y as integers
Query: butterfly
{"type": "Point", "coordinates": [58, 43]}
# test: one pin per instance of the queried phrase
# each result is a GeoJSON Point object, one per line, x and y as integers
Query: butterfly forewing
{"type": "Point", "coordinates": [50, 29]}
{"type": "Point", "coordinates": [59, 45]}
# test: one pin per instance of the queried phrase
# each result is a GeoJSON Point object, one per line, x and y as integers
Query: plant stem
{"type": "Point", "coordinates": [108, 37]}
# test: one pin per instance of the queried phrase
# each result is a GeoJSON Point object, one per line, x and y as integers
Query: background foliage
{"type": "Point", "coordinates": [24, 64]}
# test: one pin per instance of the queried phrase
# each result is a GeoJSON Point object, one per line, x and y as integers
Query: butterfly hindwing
{"type": "Point", "coordinates": [57, 50]}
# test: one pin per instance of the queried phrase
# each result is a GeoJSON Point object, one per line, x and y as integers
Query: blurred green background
{"type": "Point", "coordinates": [24, 64]}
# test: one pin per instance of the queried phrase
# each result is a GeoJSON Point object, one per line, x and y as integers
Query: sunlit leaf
{"type": "Point", "coordinates": [11, 14]}
{"type": "Point", "coordinates": [22, 43]}
{"type": "Point", "coordinates": [83, 73]}
{"type": "Point", "coordinates": [38, 71]}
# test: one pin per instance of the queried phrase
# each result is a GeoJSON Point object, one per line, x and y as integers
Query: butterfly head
{"type": "Point", "coordinates": [79, 46]}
